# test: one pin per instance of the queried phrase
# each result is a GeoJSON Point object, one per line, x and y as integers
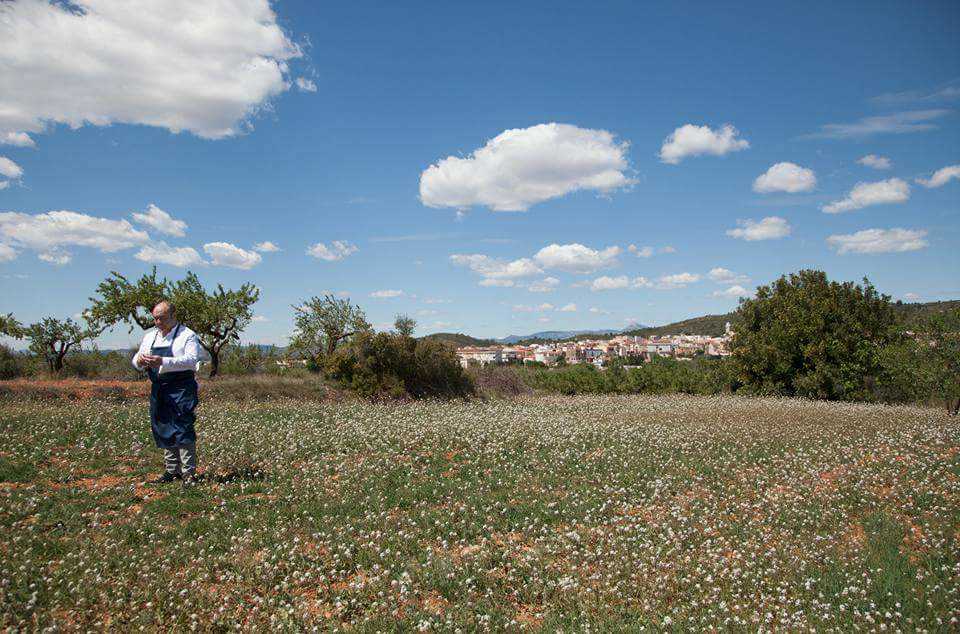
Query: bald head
{"type": "Point", "coordinates": [164, 316]}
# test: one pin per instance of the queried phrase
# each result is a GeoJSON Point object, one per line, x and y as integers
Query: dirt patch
{"type": "Point", "coordinates": [74, 389]}
{"type": "Point", "coordinates": [92, 484]}
{"type": "Point", "coordinates": [435, 604]}
{"type": "Point", "coordinates": [354, 582]}
{"type": "Point", "coordinates": [528, 616]}
{"type": "Point", "coordinates": [855, 537]}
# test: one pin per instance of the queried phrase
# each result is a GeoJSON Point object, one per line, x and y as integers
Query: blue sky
{"type": "Point", "coordinates": [216, 132]}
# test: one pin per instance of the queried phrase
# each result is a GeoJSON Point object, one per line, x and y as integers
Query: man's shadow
{"type": "Point", "coordinates": [251, 473]}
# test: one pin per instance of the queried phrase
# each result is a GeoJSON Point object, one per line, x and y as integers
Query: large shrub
{"type": "Point", "coordinates": [804, 335]}
{"type": "Point", "coordinates": [397, 365]}
{"type": "Point", "coordinates": [12, 365]}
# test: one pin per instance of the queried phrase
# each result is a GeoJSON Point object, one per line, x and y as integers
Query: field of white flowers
{"type": "Point", "coordinates": [583, 513]}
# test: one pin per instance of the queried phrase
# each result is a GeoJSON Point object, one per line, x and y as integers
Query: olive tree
{"type": "Point", "coordinates": [404, 325]}
{"type": "Point", "coordinates": [11, 327]}
{"type": "Point", "coordinates": [322, 324]}
{"type": "Point", "coordinates": [121, 300]}
{"type": "Point", "coordinates": [218, 317]}
{"type": "Point", "coordinates": [52, 339]}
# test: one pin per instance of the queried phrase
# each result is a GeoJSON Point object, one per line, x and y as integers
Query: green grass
{"type": "Point", "coordinates": [622, 513]}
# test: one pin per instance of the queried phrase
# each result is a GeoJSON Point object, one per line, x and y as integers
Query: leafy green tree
{"type": "Point", "coordinates": [11, 327]}
{"type": "Point", "coordinates": [322, 324]}
{"type": "Point", "coordinates": [404, 325]}
{"type": "Point", "coordinates": [218, 317]}
{"type": "Point", "coordinates": [52, 339]}
{"type": "Point", "coordinates": [121, 300]}
{"type": "Point", "coordinates": [804, 335]}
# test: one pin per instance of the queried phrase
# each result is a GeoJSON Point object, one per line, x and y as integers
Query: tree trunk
{"type": "Point", "coordinates": [214, 362]}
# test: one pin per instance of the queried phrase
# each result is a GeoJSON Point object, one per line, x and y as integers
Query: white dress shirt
{"type": "Point", "coordinates": [186, 349]}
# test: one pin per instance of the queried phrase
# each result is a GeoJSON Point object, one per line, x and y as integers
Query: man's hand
{"type": "Point", "coordinates": [151, 361]}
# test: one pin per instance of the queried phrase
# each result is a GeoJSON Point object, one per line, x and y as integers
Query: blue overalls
{"type": "Point", "coordinates": [173, 396]}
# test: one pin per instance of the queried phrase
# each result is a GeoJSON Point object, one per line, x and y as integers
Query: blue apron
{"type": "Point", "coordinates": [173, 396]}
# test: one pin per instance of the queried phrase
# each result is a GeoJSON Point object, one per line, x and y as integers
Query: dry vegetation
{"type": "Point", "coordinates": [613, 512]}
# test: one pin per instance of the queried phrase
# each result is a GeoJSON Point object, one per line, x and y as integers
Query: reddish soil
{"type": "Point", "coordinates": [76, 389]}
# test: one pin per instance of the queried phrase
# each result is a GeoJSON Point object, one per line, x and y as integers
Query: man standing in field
{"type": "Point", "coordinates": [169, 353]}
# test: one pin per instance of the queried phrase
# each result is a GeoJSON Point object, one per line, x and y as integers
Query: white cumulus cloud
{"type": "Point", "coordinates": [545, 285]}
{"type": "Point", "coordinates": [7, 253]}
{"type": "Point", "coordinates": [641, 252]}
{"type": "Point", "coordinates": [161, 221]}
{"type": "Point", "coordinates": [10, 169]}
{"type": "Point", "coordinates": [18, 139]}
{"type": "Point", "coordinates": [608, 283]}
{"type": "Point", "coordinates": [941, 177]}
{"type": "Point", "coordinates": [677, 280]}
{"type": "Point", "coordinates": [337, 250]}
{"type": "Point", "coordinates": [785, 177]}
{"type": "Point", "coordinates": [895, 240]}
{"type": "Point", "coordinates": [203, 67]}
{"type": "Point", "coordinates": [734, 291]}
{"type": "Point", "coordinates": [49, 233]}
{"type": "Point", "coordinates": [55, 257]}
{"type": "Point", "coordinates": [576, 258]}
{"type": "Point", "coordinates": [496, 269]}
{"type": "Point", "coordinates": [721, 275]}
{"type": "Point", "coordinates": [522, 167]}
{"type": "Point", "coordinates": [163, 253]}
{"type": "Point", "coordinates": [306, 85]}
{"type": "Point", "coordinates": [769, 228]}
{"type": "Point", "coordinates": [568, 308]}
{"type": "Point", "coordinates": [492, 281]}
{"type": "Point", "coordinates": [876, 162]}
{"type": "Point", "coordinates": [226, 254]}
{"type": "Point", "coordinates": [266, 247]}
{"type": "Point", "coordinates": [893, 190]}
{"type": "Point", "coordinates": [693, 140]}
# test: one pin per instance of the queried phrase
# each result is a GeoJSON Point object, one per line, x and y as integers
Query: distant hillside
{"type": "Point", "coordinates": [912, 313]}
{"type": "Point", "coordinates": [553, 335]}
{"type": "Point", "coordinates": [459, 339]}
{"type": "Point", "coordinates": [710, 325]}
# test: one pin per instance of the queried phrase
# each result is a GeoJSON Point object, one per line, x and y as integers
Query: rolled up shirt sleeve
{"type": "Point", "coordinates": [185, 359]}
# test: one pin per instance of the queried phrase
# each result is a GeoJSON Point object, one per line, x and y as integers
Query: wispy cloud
{"type": "Point", "coordinates": [946, 93]}
{"type": "Point", "coordinates": [387, 293]}
{"type": "Point", "coordinates": [896, 123]}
